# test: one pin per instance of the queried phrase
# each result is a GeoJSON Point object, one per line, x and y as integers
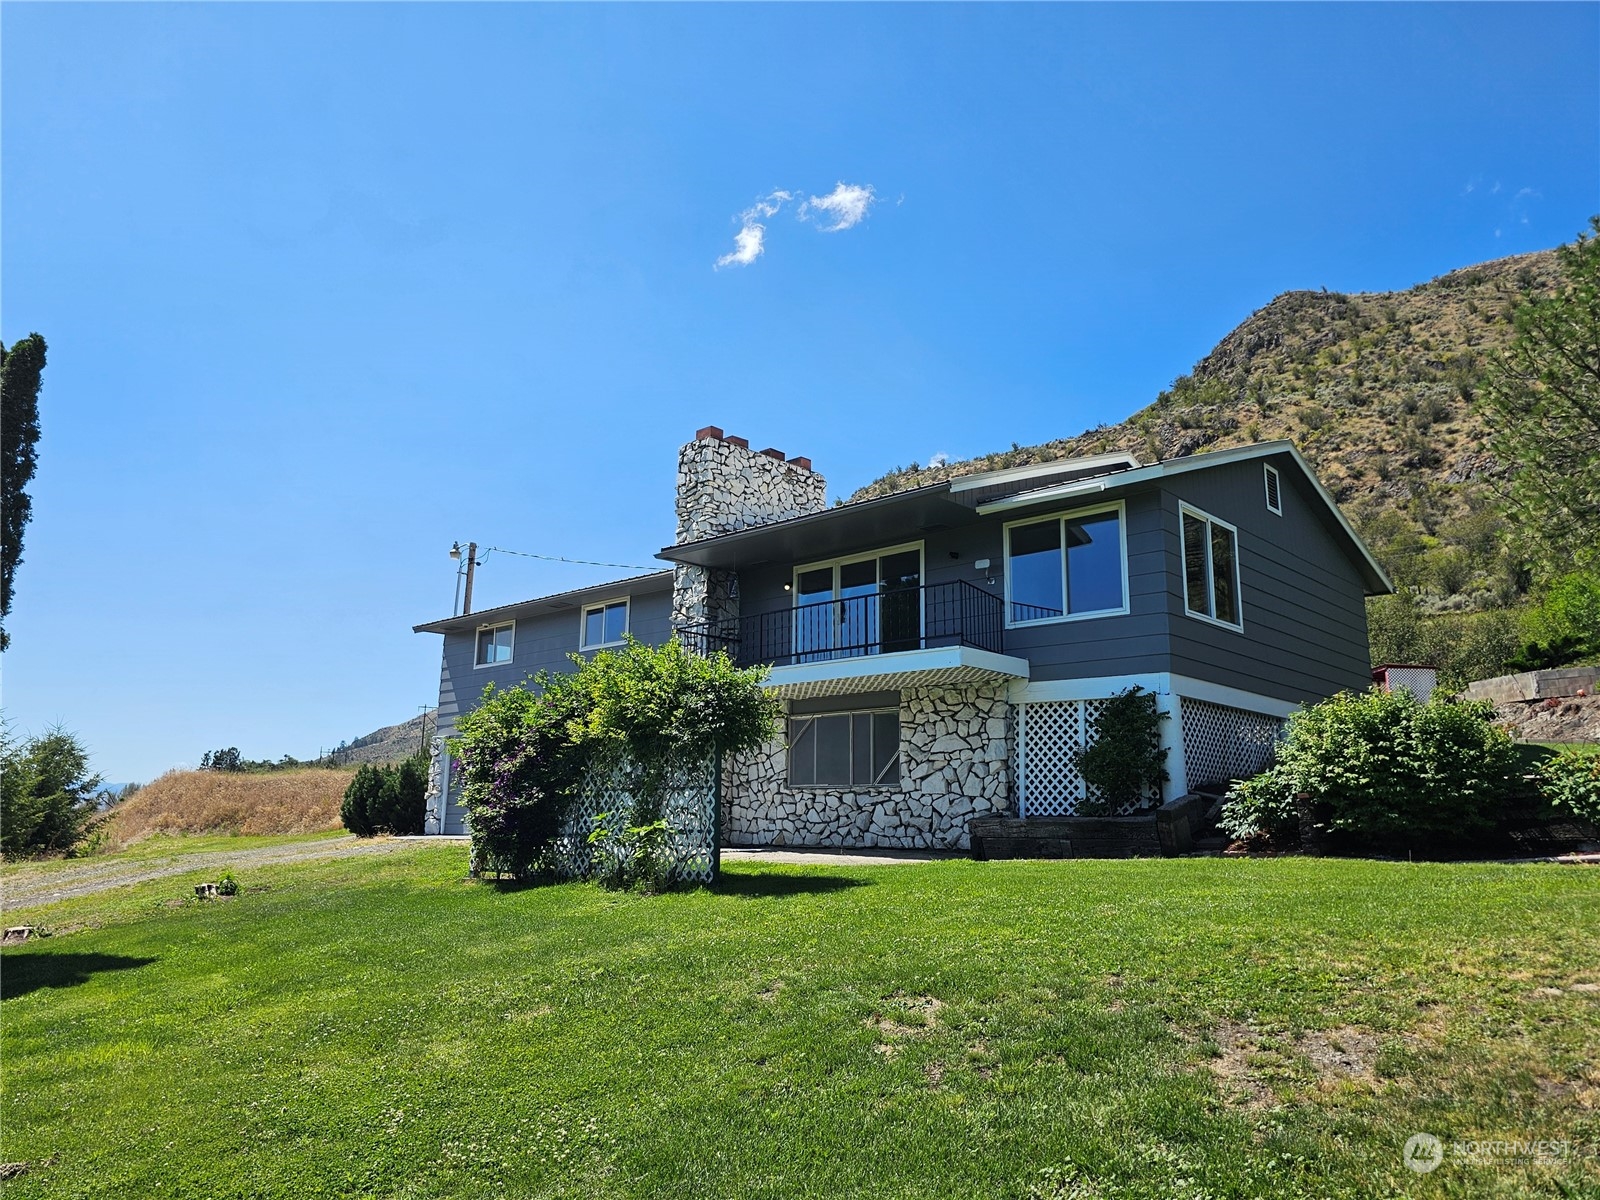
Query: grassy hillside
{"type": "Point", "coordinates": [1376, 389]}
{"type": "Point", "coordinates": [1136, 1029]}
{"type": "Point", "coordinates": [298, 801]}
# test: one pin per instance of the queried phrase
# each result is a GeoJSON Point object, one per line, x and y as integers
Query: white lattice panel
{"type": "Point", "coordinates": [1050, 736]}
{"type": "Point", "coordinates": [689, 812]}
{"type": "Point", "coordinates": [1221, 744]}
{"type": "Point", "coordinates": [1419, 681]}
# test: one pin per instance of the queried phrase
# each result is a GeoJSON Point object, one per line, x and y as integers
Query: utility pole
{"type": "Point", "coordinates": [472, 561]}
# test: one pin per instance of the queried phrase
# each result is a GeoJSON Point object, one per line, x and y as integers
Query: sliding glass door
{"type": "Point", "coordinates": [868, 604]}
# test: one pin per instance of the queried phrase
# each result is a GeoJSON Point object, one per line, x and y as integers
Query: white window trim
{"type": "Point", "coordinates": [1200, 514]}
{"type": "Point", "coordinates": [1118, 507]}
{"type": "Point", "coordinates": [477, 637]}
{"type": "Point", "coordinates": [899, 754]}
{"type": "Point", "coordinates": [868, 556]}
{"type": "Point", "coordinates": [1270, 477]}
{"type": "Point", "coordinates": [627, 623]}
{"type": "Point", "coordinates": [922, 561]}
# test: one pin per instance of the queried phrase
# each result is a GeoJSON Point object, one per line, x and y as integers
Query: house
{"type": "Point", "coordinates": [942, 652]}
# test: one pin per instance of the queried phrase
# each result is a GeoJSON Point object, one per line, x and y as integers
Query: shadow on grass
{"type": "Point", "coordinates": [773, 884]}
{"type": "Point", "coordinates": [24, 973]}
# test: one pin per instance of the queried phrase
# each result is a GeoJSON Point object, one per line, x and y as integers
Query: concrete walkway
{"type": "Point", "coordinates": [833, 858]}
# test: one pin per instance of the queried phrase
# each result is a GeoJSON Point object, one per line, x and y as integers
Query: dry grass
{"type": "Point", "coordinates": [220, 802]}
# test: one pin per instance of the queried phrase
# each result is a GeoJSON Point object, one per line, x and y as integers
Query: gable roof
{"type": "Point", "coordinates": [937, 506]}
{"type": "Point", "coordinates": [633, 585]}
{"type": "Point", "coordinates": [1373, 574]}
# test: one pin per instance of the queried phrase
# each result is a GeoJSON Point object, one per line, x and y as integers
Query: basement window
{"type": "Point", "coordinates": [1210, 568]}
{"type": "Point", "coordinates": [605, 624]}
{"type": "Point", "coordinates": [849, 749]}
{"type": "Point", "coordinates": [494, 644]}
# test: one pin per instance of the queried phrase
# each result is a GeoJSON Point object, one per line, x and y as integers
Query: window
{"type": "Point", "coordinates": [494, 644]}
{"type": "Point", "coordinates": [1065, 567]}
{"type": "Point", "coordinates": [850, 749]}
{"type": "Point", "coordinates": [869, 604]}
{"type": "Point", "coordinates": [1274, 490]}
{"type": "Point", "coordinates": [1210, 568]}
{"type": "Point", "coordinates": [605, 624]}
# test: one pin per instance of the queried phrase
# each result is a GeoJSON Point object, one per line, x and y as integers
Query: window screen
{"type": "Point", "coordinates": [852, 749]}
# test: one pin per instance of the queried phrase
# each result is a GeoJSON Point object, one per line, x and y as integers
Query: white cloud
{"type": "Point", "coordinates": [748, 245]}
{"type": "Point", "coordinates": [750, 242]}
{"type": "Point", "coordinates": [845, 206]}
{"type": "Point", "coordinates": [939, 459]}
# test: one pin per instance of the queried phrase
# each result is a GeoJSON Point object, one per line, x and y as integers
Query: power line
{"type": "Point", "coordinates": [581, 562]}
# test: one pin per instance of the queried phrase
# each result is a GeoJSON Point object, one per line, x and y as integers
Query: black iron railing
{"type": "Point", "coordinates": [890, 620]}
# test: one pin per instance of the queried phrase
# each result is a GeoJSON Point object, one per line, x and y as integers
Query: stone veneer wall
{"type": "Point", "coordinates": [955, 764]}
{"type": "Point", "coordinates": [724, 486]}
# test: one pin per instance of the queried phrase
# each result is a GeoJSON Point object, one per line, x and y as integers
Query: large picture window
{"type": "Point", "coordinates": [1065, 567]}
{"type": "Point", "coordinates": [605, 624]}
{"type": "Point", "coordinates": [849, 749]}
{"type": "Point", "coordinates": [1210, 568]}
{"type": "Point", "coordinates": [494, 644]}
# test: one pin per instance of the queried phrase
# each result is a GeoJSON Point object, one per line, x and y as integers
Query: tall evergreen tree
{"type": "Point", "coordinates": [1542, 398]}
{"type": "Point", "coordinates": [21, 368]}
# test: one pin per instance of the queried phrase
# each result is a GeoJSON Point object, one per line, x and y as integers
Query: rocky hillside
{"type": "Point", "coordinates": [391, 744]}
{"type": "Point", "coordinates": [1375, 388]}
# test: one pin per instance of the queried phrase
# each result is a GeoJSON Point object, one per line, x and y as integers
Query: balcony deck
{"type": "Point", "coordinates": [944, 635]}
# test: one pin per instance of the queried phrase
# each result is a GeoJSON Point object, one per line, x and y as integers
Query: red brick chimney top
{"type": "Point", "coordinates": [715, 434]}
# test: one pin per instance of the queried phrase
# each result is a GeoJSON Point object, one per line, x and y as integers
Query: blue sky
{"type": "Point", "coordinates": [329, 287]}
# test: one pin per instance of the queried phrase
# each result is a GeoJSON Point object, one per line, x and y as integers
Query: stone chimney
{"type": "Point", "coordinates": [724, 486]}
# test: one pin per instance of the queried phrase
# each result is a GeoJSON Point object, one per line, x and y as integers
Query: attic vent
{"type": "Point", "coordinates": [1274, 493]}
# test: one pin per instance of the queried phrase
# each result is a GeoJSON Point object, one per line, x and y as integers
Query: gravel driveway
{"type": "Point", "coordinates": [28, 888]}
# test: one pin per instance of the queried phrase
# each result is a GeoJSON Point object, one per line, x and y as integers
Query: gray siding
{"type": "Point", "coordinates": [1305, 617]}
{"type": "Point", "coordinates": [540, 642]}
{"type": "Point", "coordinates": [1305, 629]}
{"type": "Point", "coordinates": [1135, 643]}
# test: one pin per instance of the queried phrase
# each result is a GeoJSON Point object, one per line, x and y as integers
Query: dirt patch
{"type": "Point", "coordinates": [770, 992]}
{"type": "Point", "coordinates": [1250, 1064]}
{"type": "Point", "coordinates": [905, 1016]}
{"type": "Point", "coordinates": [1347, 1053]}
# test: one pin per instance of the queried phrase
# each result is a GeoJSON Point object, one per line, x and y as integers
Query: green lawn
{"type": "Point", "coordinates": [1184, 1028]}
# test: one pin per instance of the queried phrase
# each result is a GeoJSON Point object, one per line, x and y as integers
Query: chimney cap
{"type": "Point", "coordinates": [772, 452]}
{"type": "Point", "coordinates": [799, 460]}
{"type": "Point", "coordinates": [742, 443]}
{"type": "Point", "coordinates": [710, 431]}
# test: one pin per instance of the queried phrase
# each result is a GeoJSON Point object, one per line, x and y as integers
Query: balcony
{"type": "Point", "coordinates": [942, 634]}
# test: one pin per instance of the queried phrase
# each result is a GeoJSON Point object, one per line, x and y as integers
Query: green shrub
{"type": "Point", "coordinates": [363, 796]}
{"type": "Point", "coordinates": [387, 799]}
{"type": "Point", "coordinates": [640, 712]}
{"type": "Point", "coordinates": [227, 885]}
{"type": "Point", "coordinates": [1571, 782]}
{"type": "Point", "coordinates": [630, 856]}
{"type": "Point", "coordinates": [48, 799]}
{"type": "Point", "coordinates": [1124, 761]}
{"type": "Point", "coordinates": [519, 765]}
{"type": "Point", "coordinates": [1382, 765]}
{"type": "Point", "coordinates": [1263, 807]}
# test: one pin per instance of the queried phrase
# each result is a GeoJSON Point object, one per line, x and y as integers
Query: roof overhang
{"type": "Point", "coordinates": [832, 531]}
{"type": "Point", "coordinates": [637, 585]}
{"type": "Point", "coordinates": [944, 666]}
